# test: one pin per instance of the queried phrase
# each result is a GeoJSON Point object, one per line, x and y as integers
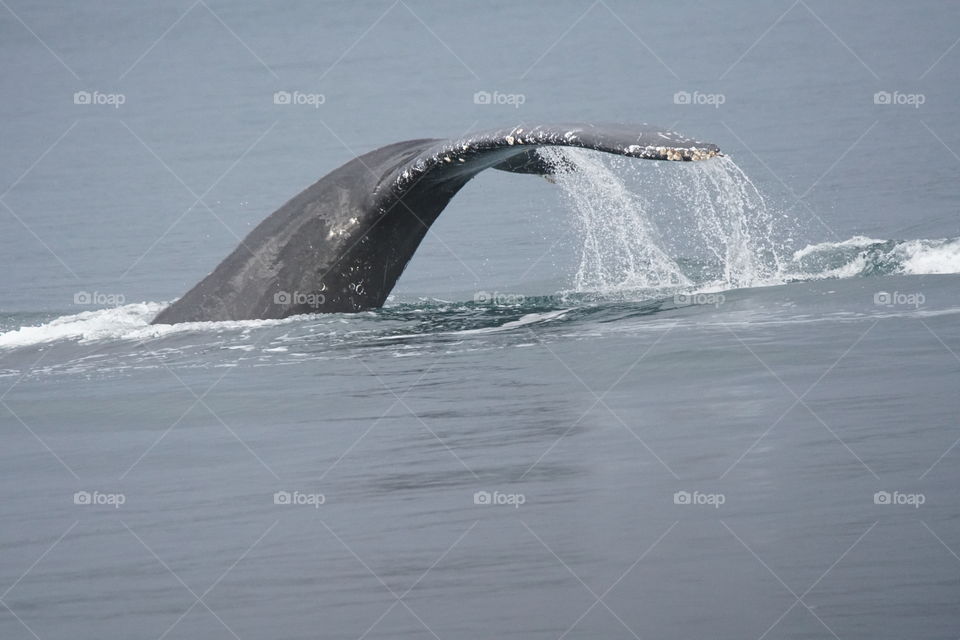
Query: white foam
{"type": "Point", "coordinates": [931, 256]}
{"type": "Point", "coordinates": [89, 325]}
{"type": "Point", "coordinates": [910, 257]}
{"type": "Point", "coordinates": [127, 322]}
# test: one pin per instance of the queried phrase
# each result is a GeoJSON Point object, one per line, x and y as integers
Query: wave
{"type": "Point", "coordinates": [126, 322]}
{"type": "Point", "coordinates": [861, 256]}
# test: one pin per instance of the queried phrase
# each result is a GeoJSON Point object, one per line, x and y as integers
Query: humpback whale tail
{"type": "Point", "coordinates": [341, 244]}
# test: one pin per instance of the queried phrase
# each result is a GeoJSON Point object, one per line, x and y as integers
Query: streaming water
{"type": "Point", "coordinates": [621, 247]}
{"type": "Point", "coordinates": [732, 220]}
{"type": "Point", "coordinates": [651, 228]}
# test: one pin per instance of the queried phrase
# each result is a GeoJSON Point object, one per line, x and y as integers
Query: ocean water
{"type": "Point", "coordinates": [644, 400]}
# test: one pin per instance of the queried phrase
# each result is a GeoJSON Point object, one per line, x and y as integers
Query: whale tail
{"type": "Point", "coordinates": [341, 244]}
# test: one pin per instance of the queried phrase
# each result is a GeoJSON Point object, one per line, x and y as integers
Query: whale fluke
{"type": "Point", "coordinates": [341, 244]}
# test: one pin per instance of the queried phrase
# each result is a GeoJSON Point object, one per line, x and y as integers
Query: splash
{"type": "Point", "coordinates": [652, 229]}
{"type": "Point", "coordinates": [732, 220]}
{"type": "Point", "coordinates": [621, 249]}
{"type": "Point", "coordinates": [633, 218]}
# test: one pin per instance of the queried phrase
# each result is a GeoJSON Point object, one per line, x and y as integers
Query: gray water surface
{"type": "Point", "coordinates": [657, 469]}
